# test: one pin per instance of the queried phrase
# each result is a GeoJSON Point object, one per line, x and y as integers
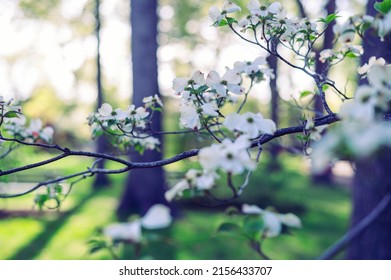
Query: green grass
{"type": "Point", "coordinates": [64, 235]}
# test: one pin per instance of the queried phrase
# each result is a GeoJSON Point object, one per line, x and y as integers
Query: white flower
{"type": "Point", "coordinates": [180, 84]}
{"type": "Point", "coordinates": [35, 125]}
{"type": "Point", "coordinates": [345, 32]}
{"type": "Point", "coordinates": [216, 15]}
{"type": "Point", "coordinates": [47, 134]}
{"type": "Point", "coordinates": [209, 109]}
{"type": "Point", "coordinates": [273, 225]}
{"type": "Point", "coordinates": [177, 190]}
{"type": "Point", "coordinates": [290, 220]}
{"type": "Point", "coordinates": [229, 156]}
{"type": "Point", "coordinates": [356, 50]}
{"type": "Point", "coordinates": [307, 25]}
{"type": "Point", "coordinates": [210, 157]}
{"type": "Point", "coordinates": [315, 131]}
{"type": "Point", "coordinates": [366, 67]}
{"type": "Point", "coordinates": [272, 221]}
{"type": "Point", "coordinates": [105, 110]}
{"type": "Point", "coordinates": [326, 54]}
{"type": "Point", "coordinates": [158, 216]}
{"type": "Point", "coordinates": [201, 180]}
{"type": "Point", "coordinates": [243, 23]}
{"type": "Point", "coordinates": [249, 124]}
{"type": "Point", "coordinates": [383, 25]}
{"type": "Point", "coordinates": [230, 81]}
{"type": "Point", "coordinates": [380, 78]}
{"type": "Point", "coordinates": [189, 117]}
{"type": "Point", "coordinates": [251, 209]}
{"type": "Point", "coordinates": [324, 152]}
{"type": "Point", "coordinates": [256, 9]}
{"type": "Point", "coordinates": [149, 143]}
{"type": "Point", "coordinates": [150, 101]}
{"type": "Point", "coordinates": [34, 129]}
{"type": "Point", "coordinates": [355, 111]}
{"type": "Point", "coordinates": [121, 115]}
{"type": "Point", "coordinates": [249, 67]}
{"type": "Point", "coordinates": [124, 231]}
{"type": "Point", "coordinates": [140, 113]}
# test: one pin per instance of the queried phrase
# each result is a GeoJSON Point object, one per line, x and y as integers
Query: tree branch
{"type": "Point", "coordinates": [87, 173]}
{"type": "Point", "coordinates": [136, 165]}
{"type": "Point", "coordinates": [358, 229]}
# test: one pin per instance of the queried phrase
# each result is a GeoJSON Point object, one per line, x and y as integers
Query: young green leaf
{"type": "Point", "coordinates": [383, 7]}
{"type": "Point", "coordinates": [12, 114]}
{"type": "Point", "coordinates": [228, 227]}
{"type": "Point", "coordinates": [331, 17]}
{"type": "Point", "coordinates": [305, 93]}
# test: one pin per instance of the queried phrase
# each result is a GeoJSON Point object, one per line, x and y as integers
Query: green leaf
{"type": "Point", "coordinates": [223, 22]}
{"type": "Point", "coordinates": [383, 7]}
{"type": "Point", "coordinates": [58, 189]}
{"type": "Point", "coordinates": [95, 249]}
{"type": "Point", "coordinates": [139, 148]}
{"type": "Point", "coordinates": [325, 87]}
{"type": "Point", "coordinates": [331, 17]}
{"type": "Point", "coordinates": [303, 138]}
{"type": "Point", "coordinates": [156, 109]}
{"type": "Point", "coordinates": [253, 224]}
{"type": "Point", "coordinates": [350, 54]}
{"type": "Point", "coordinates": [190, 193]}
{"type": "Point", "coordinates": [228, 227]}
{"type": "Point", "coordinates": [364, 27]}
{"type": "Point", "coordinates": [230, 20]}
{"type": "Point", "coordinates": [12, 114]}
{"type": "Point", "coordinates": [305, 93]}
{"type": "Point", "coordinates": [202, 88]}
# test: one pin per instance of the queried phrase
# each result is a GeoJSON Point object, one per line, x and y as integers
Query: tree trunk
{"type": "Point", "coordinates": [321, 68]}
{"type": "Point", "coordinates": [371, 183]}
{"type": "Point", "coordinates": [101, 179]}
{"type": "Point", "coordinates": [144, 187]}
{"type": "Point", "coordinates": [274, 109]}
{"type": "Point", "coordinates": [372, 179]}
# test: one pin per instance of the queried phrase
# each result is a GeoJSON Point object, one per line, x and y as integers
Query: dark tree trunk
{"type": "Point", "coordinates": [101, 180]}
{"type": "Point", "coordinates": [321, 68]}
{"type": "Point", "coordinates": [372, 179]}
{"type": "Point", "coordinates": [274, 109]}
{"type": "Point", "coordinates": [372, 182]}
{"type": "Point", "coordinates": [144, 187]}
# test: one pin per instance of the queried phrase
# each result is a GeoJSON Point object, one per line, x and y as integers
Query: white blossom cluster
{"type": "Point", "coordinates": [273, 222]}
{"type": "Point", "coordinates": [14, 124]}
{"type": "Point", "coordinates": [202, 99]}
{"type": "Point", "coordinates": [129, 127]}
{"type": "Point", "coordinates": [267, 21]}
{"type": "Point", "coordinates": [348, 32]}
{"type": "Point", "coordinates": [157, 217]}
{"type": "Point", "coordinates": [362, 130]}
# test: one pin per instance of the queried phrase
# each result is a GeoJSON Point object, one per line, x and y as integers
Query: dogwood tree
{"type": "Point", "coordinates": [212, 106]}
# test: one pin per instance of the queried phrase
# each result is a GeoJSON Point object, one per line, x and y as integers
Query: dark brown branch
{"type": "Point", "coordinates": [33, 165]}
{"type": "Point", "coordinates": [135, 165]}
{"type": "Point", "coordinates": [87, 173]}
{"type": "Point", "coordinates": [329, 119]}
